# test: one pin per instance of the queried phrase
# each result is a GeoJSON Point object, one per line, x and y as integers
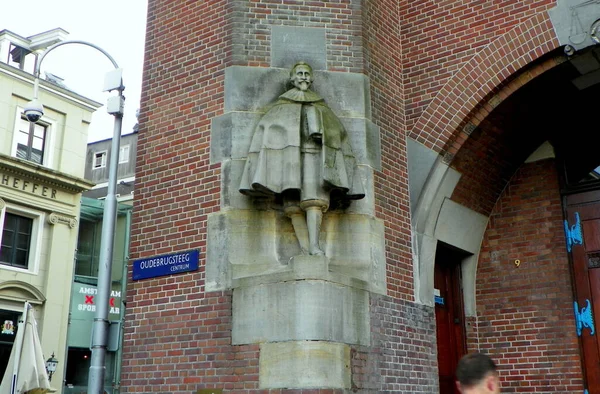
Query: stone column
{"type": "Point", "coordinates": [61, 243]}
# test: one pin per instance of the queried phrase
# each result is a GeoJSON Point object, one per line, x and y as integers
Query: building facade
{"type": "Point", "coordinates": [478, 226]}
{"type": "Point", "coordinates": [41, 182]}
{"type": "Point", "coordinates": [96, 168]}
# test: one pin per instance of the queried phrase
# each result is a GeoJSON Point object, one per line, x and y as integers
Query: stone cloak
{"type": "Point", "coordinates": [274, 162]}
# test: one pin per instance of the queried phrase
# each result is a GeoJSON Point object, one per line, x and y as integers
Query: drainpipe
{"type": "Point", "coordinates": [119, 355]}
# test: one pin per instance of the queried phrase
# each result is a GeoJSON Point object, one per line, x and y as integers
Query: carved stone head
{"type": "Point", "coordinates": [301, 76]}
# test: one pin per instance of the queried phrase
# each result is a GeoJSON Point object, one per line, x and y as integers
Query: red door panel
{"type": "Point", "coordinates": [583, 237]}
{"type": "Point", "coordinates": [449, 317]}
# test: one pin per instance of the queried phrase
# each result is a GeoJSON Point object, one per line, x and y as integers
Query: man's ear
{"type": "Point", "coordinates": [492, 383]}
{"type": "Point", "coordinates": [458, 386]}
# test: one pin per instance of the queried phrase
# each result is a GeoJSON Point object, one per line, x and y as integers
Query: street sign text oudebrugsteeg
{"type": "Point", "coordinates": [167, 264]}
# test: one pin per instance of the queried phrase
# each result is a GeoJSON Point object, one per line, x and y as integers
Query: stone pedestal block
{"type": "Point", "coordinates": [300, 310]}
{"type": "Point", "coordinates": [304, 365]}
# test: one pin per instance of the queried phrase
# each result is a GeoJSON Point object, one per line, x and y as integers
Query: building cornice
{"type": "Point", "coordinates": [60, 180]}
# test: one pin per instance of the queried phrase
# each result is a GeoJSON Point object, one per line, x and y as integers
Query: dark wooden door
{"type": "Point", "coordinates": [582, 230]}
{"type": "Point", "coordinates": [449, 316]}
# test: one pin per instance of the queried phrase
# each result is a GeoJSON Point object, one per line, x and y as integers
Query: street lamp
{"type": "Point", "coordinates": [34, 111]}
{"type": "Point", "coordinates": [51, 364]}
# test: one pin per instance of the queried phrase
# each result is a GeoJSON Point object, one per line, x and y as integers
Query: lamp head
{"type": "Point", "coordinates": [34, 111]}
{"type": "Point", "coordinates": [51, 364]}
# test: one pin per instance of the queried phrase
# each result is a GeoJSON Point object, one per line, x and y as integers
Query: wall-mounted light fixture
{"type": "Point", "coordinates": [51, 364]}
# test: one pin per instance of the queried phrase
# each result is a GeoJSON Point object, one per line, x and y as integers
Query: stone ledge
{"type": "Point", "coordinates": [295, 272]}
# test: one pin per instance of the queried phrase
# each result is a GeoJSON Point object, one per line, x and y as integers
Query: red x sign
{"type": "Point", "coordinates": [89, 299]}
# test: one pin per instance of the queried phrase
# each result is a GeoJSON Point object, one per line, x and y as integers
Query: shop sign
{"type": "Point", "coordinates": [85, 300]}
{"type": "Point", "coordinates": [27, 186]}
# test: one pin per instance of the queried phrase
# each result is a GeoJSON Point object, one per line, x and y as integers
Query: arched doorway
{"type": "Point", "coordinates": [525, 167]}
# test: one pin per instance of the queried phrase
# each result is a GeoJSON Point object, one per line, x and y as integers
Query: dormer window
{"type": "Point", "coordinates": [17, 56]}
{"type": "Point", "coordinates": [18, 51]}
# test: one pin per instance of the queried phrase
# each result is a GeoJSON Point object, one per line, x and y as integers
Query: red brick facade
{"type": "Point", "coordinates": [433, 68]}
{"type": "Point", "coordinates": [523, 288]}
{"type": "Point", "coordinates": [340, 18]}
{"type": "Point", "coordinates": [382, 57]}
{"type": "Point", "coordinates": [172, 319]}
{"type": "Point", "coordinates": [458, 52]}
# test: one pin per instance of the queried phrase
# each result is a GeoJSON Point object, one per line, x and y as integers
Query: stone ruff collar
{"type": "Point", "coordinates": [298, 95]}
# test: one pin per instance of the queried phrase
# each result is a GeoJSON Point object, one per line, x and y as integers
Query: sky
{"type": "Point", "coordinates": [116, 26]}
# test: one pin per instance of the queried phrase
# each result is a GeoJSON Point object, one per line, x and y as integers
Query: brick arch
{"type": "Point", "coordinates": [439, 126]}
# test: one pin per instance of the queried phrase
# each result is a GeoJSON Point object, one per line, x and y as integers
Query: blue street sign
{"type": "Point", "coordinates": [165, 265]}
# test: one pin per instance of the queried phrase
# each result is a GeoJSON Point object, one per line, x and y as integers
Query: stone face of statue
{"type": "Point", "coordinates": [302, 77]}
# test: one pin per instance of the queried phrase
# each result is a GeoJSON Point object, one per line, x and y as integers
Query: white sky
{"type": "Point", "coordinates": [116, 26]}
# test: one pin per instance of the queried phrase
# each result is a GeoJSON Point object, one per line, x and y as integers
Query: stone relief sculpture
{"type": "Point", "coordinates": [300, 153]}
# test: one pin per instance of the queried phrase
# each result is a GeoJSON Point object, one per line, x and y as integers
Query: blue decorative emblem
{"type": "Point", "coordinates": [573, 233]}
{"type": "Point", "coordinates": [585, 391]}
{"type": "Point", "coordinates": [584, 318]}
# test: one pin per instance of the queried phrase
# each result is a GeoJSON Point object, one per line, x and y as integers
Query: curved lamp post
{"type": "Point", "coordinates": [34, 111]}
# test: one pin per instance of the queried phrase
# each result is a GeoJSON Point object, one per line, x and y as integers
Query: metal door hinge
{"type": "Point", "coordinates": [584, 318]}
{"type": "Point", "coordinates": [573, 234]}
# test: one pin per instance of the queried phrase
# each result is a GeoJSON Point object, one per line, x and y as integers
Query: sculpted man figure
{"type": "Point", "coordinates": [300, 152]}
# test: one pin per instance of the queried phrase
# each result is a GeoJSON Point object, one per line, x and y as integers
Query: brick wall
{"type": "Point", "coordinates": [504, 132]}
{"type": "Point", "coordinates": [402, 357]}
{"type": "Point", "coordinates": [341, 20]}
{"type": "Point", "coordinates": [439, 38]}
{"type": "Point", "coordinates": [383, 61]}
{"type": "Point", "coordinates": [491, 155]}
{"type": "Point", "coordinates": [183, 342]}
{"type": "Point", "coordinates": [176, 335]}
{"type": "Point", "coordinates": [525, 314]}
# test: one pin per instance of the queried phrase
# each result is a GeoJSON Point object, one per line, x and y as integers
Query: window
{"type": "Point", "coordinates": [31, 141]}
{"type": "Point", "coordinates": [16, 240]}
{"type": "Point", "coordinates": [87, 248]}
{"type": "Point", "coordinates": [20, 238]}
{"type": "Point", "coordinates": [100, 159]}
{"type": "Point", "coordinates": [124, 154]}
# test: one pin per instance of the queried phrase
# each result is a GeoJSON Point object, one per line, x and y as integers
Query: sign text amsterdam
{"type": "Point", "coordinates": [165, 265]}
